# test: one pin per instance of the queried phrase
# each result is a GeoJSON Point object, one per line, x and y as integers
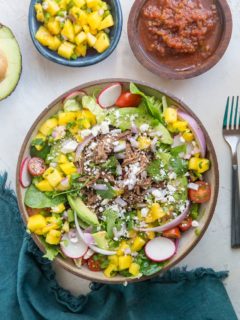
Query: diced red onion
{"type": "Point", "coordinates": [100, 187]}
{"type": "Point", "coordinates": [120, 156]}
{"type": "Point", "coordinates": [65, 182]}
{"type": "Point", "coordinates": [82, 145]}
{"type": "Point", "coordinates": [153, 144]}
{"type": "Point", "coordinates": [89, 238]}
{"type": "Point", "coordinates": [120, 147]}
{"type": "Point", "coordinates": [196, 130]}
{"type": "Point", "coordinates": [134, 129]}
{"type": "Point", "coordinates": [170, 224]}
{"type": "Point", "coordinates": [177, 141]}
{"type": "Point", "coordinates": [94, 248]}
{"type": "Point", "coordinates": [133, 142]}
{"type": "Point", "coordinates": [119, 170]}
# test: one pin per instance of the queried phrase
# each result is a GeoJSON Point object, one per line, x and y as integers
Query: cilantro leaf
{"type": "Point", "coordinates": [156, 171]}
{"type": "Point", "coordinates": [107, 194]}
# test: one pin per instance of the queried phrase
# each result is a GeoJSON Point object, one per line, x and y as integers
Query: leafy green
{"type": "Point", "coordinates": [181, 193]}
{"type": "Point", "coordinates": [107, 194]}
{"type": "Point", "coordinates": [91, 104]}
{"type": "Point", "coordinates": [179, 166]}
{"type": "Point", "coordinates": [40, 153]}
{"type": "Point", "coordinates": [164, 157]}
{"type": "Point", "coordinates": [51, 251]}
{"type": "Point", "coordinates": [111, 217]}
{"type": "Point", "coordinates": [155, 172]}
{"type": "Point", "coordinates": [147, 267]}
{"type": "Point", "coordinates": [54, 152]}
{"type": "Point", "coordinates": [179, 149]}
{"type": "Point", "coordinates": [194, 211]}
{"type": "Point", "coordinates": [110, 165]}
{"type": "Point", "coordinates": [37, 199]}
{"type": "Point", "coordinates": [154, 105]}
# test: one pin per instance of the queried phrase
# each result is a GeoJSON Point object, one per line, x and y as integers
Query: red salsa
{"type": "Point", "coordinates": [186, 31]}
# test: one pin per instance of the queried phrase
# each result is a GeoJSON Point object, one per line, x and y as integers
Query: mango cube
{"type": "Point", "coordinates": [134, 269]}
{"type": "Point", "coordinates": [54, 26]}
{"type": "Point", "coordinates": [68, 168]}
{"type": "Point", "coordinates": [188, 136]}
{"type": "Point", "coordinates": [110, 270]}
{"type": "Point", "coordinates": [144, 143]}
{"type": "Point", "coordinates": [91, 40]}
{"type": "Point", "coordinates": [52, 7]}
{"type": "Point", "coordinates": [180, 125]}
{"type": "Point", "coordinates": [81, 49]}
{"type": "Point", "coordinates": [93, 3]}
{"type": "Point", "coordinates": [79, 3]}
{"type": "Point", "coordinates": [170, 115]}
{"type": "Point", "coordinates": [66, 117]}
{"type": "Point", "coordinates": [39, 12]}
{"type": "Point", "coordinates": [54, 43]}
{"type": "Point", "coordinates": [83, 18]}
{"type": "Point", "coordinates": [124, 262]}
{"type": "Point", "coordinates": [48, 126]}
{"type": "Point", "coordinates": [66, 50]}
{"type": "Point", "coordinates": [68, 31]}
{"type": "Point", "coordinates": [94, 20]}
{"type": "Point", "coordinates": [113, 260]}
{"type": "Point", "coordinates": [53, 237]}
{"type": "Point", "coordinates": [43, 36]}
{"type": "Point", "coordinates": [36, 222]}
{"type": "Point", "coordinates": [53, 176]}
{"type": "Point", "coordinates": [138, 243]}
{"type": "Point", "coordinates": [106, 22]}
{"type": "Point", "coordinates": [44, 186]}
{"type": "Point", "coordinates": [80, 38]}
{"type": "Point", "coordinates": [59, 208]}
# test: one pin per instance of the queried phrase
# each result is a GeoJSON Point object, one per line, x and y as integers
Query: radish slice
{"type": "Point", "coordinates": [73, 249]}
{"type": "Point", "coordinates": [88, 254]}
{"type": "Point", "coordinates": [108, 96]}
{"type": "Point", "coordinates": [196, 130]}
{"type": "Point", "coordinates": [74, 94]}
{"type": "Point", "coordinates": [170, 224]}
{"type": "Point", "coordinates": [160, 249]}
{"type": "Point", "coordinates": [82, 145]}
{"type": "Point", "coordinates": [24, 177]}
{"type": "Point", "coordinates": [94, 248]}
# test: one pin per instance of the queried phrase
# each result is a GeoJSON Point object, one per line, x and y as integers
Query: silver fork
{"type": "Point", "coordinates": [231, 133]}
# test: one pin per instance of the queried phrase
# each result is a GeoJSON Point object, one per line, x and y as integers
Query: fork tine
{"type": "Point", "coordinates": [237, 114]}
{"type": "Point", "coordinates": [231, 116]}
{"type": "Point", "coordinates": [225, 119]}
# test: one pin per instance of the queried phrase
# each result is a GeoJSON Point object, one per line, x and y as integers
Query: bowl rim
{"type": "Point", "coordinates": [140, 53]}
{"type": "Point", "coordinates": [48, 54]}
{"type": "Point", "coordinates": [60, 261]}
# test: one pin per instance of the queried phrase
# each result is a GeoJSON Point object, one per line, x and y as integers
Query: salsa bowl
{"type": "Point", "coordinates": [190, 238]}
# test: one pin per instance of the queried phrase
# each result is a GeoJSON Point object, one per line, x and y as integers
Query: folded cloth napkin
{"type": "Point", "coordinates": [28, 289]}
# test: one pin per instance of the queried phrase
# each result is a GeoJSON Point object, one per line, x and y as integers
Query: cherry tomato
{"type": "Point", "coordinates": [93, 265]}
{"type": "Point", "coordinates": [33, 211]}
{"type": "Point", "coordinates": [36, 166]}
{"type": "Point", "coordinates": [201, 195]}
{"type": "Point", "coordinates": [128, 99]}
{"type": "Point", "coordinates": [185, 224]}
{"type": "Point", "coordinates": [173, 233]}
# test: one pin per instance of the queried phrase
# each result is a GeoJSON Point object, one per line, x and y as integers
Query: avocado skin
{"type": "Point", "coordinates": [85, 214]}
{"type": "Point", "coordinates": [20, 56]}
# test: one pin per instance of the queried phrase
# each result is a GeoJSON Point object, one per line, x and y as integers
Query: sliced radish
{"type": "Point", "coordinates": [73, 246]}
{"type": "Point", "coordinates": [196, 130]}
{"type": "Point", "coordinates": [24, 176]}
{"type": "Point", "coordinates": [108, 96]}
{"type": "Point", "coordinates": [160, 249]}
{"type": "Point", "coordinates": [88, 254]}
{"type": "Point", "coordinates": [74, 94]}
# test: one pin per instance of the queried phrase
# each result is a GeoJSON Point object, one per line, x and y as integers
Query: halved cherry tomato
{"type": "Point", "coordinates": [128, 99]}
{"type": "Point", "coordinates": [93, 265]}
{"type": "Point", "coordinates": [33, 211]}
{"type": "Point", "coordinates": [185, 224]}
{"type": "Point", "coordinates": [201, 195]}
{"type": "Point", "coordinates": [173, 233]}
{"type": "Point", "coordinates": [36, 166]}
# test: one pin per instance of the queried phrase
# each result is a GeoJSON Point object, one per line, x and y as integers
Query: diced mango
{"type": "Point", "coordinates": [42, 137]}
{"type": "Point", "coordinates": [66, 50]}
{"type": "Point", "coordinates": [44, 186]}
{"type": "Point", "coordinates": [81, 50]}
{"type": "Point", "coordinates": [53, 26]}
{"type": "Point", "coordinates": [75, 13]}
{"type": "Point", "coordinates": [39, 12]}
{"type": "Point", "coordinates": [113, 260]}
{"type": "Point", "coordinates": [79, 3]}
{"type": "Point", "coordinates": [53, 176]}
{"type": "Point", "coordinates": [66, 226]}
{"type": "Point", "coordinates": [188, 136]}
{"type": "Point", "coordinates": [102, 42]}
{"type": "Point", "coordinates": [138, 243]}
{"type": "Point", "coordinates": [106, 22]}
{"type": "Point", "coordinates": [93, 3]}
{"type": "Point", "coordinates": [80, 38]}
{"type": "Point", "coordinates": [150, 235]}
{"type": "Point", "coordinates": [77, 28]}
{"type": "Point", "coordinates": [62, 158]}
{"type": "Point", "coordinates": [110, 271]}
{"type": "Point", "coordinates": [43, 36]}
{"type": "Point", "coordinates": [53, 237]}
{"type": "Point", "coordinates": [36, 222]}
{"type": "Point", "coordinates": [52, 7]}
{"type": "Point", "coordinates": [59, 208]}
{"type": "Point", "coordinates": [180, 125]}
{"type": "Point", "coordinates": [68, 31]}
{"type": "Point", "coordinates": [68, 168]}
{"type": "Point", "coordinates": [144, 142]}
{"type": "Point", "coordinates": [170, 115]}
{"type": "Point", "coordinates": [94, 20]}
{"type": "Point", "coordinates": [122, 247]}
{"type": "Point", "coordinates": [48, 126]}
{"type": "Point", "coordinates": [83, 18]}
{"type": "Point", "coordinates": [91, 40]}
{"type": "Point", "coordinates": [155, 213]}
{"type": "Point", "coordinates": [193, 163]}
{"type": "Point", "coordinates": [50, 226]}
{"type": "Point", "coordinates": [54, 43]}
{"type": "Point", "coordinates": [124, 262]}
{"type": "Point", "coordinates": [199, 164]}
{"type": "Point", "coordinates": [66, 117]}
{"type": "Point", "coordinates": [134, 269]}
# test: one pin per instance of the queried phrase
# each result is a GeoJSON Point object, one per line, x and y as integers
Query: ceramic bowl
{"type": "Point", "coordinates": [188, 241]}
{"type": "Point", "coordinates": [91, 58]}
{"type": "Point", "coordinates": [165, 71]}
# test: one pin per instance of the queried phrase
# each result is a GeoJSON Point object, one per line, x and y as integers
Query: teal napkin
{"type": "Point", "coordinates": [28, 289]}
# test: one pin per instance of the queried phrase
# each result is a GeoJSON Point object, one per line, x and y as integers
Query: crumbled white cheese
{"type": "Point", "coordinates": [104, 127]}
{"type": "Point", "coordinates": [144, 127]}
{"type": "Point", "coordinates": [195, 224]}
{"type": "Point", "coordinates": [45, 5]}
{"type": "Point", "coordinates": [172, 175]}
{"type": "Point", "coordinates": [69, 146]}
{"type": "Point", "coordinates": [85, 133]}
{"type": "Point", "coordinates": [193, 186]}
{"type": "Point", "coordinates": [144, 212]}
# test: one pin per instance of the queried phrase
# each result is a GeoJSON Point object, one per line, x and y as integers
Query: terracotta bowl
{"type": "Point", "coordinates": [169, 72]}
{"type": "Point", "coordinates": [188, 241]}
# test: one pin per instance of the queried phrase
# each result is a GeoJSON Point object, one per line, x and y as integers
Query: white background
{"type": "Point", "coordinates": [42, 81]}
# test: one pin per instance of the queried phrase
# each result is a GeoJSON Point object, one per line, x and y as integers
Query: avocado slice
{"type": "Point", "coordinates": [83, 212]}
{"type": "Point", "coordinates": [10, 62]}
{"type": "Point", "coordinates": [101, 240]}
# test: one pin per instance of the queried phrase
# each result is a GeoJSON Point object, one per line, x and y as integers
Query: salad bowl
{"type": "Point", "coordinates": [181, 247]}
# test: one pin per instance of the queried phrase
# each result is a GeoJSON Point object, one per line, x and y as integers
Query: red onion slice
{"type": "Point", "coordinates": [170, 224]}
{"type": "Point", "coordinates": [196, 130]}
{"type": "Point", "coordinates": [82, 145]}
{"type": "Point", "coordinates": [24, 177]}
{"type": "Point", "coordinates": [94, 248]}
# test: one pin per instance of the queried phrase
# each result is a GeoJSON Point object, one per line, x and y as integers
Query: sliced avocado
{"type": "Point", "coordinates": [10, 62]}
{"type": "Point", "coordinates": [83, 212]}
{"type": "Point", "coordinates": [100, 239]}
{"type": "Point", "coordinates": [165, 134]}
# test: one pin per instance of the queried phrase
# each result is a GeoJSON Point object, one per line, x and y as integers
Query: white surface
{"type": "Point", "coordinates": [42, 81]}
